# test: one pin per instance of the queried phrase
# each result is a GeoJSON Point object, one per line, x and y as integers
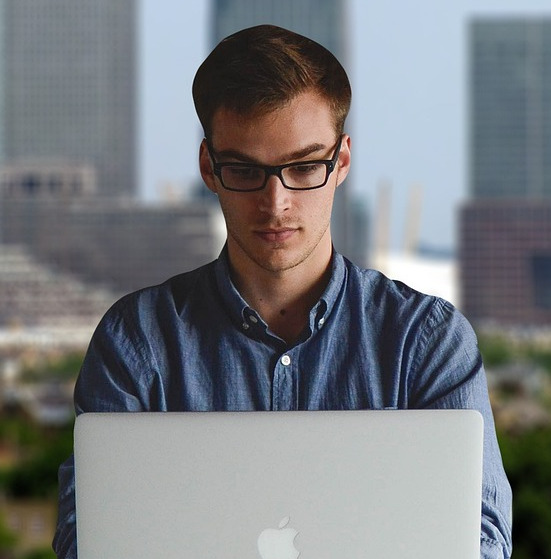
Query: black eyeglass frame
{"type": "Point", "coordinates": [276, 170]}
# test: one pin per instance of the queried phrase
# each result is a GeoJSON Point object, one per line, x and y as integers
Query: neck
{"type": "Point", "coordinates": [284, 299]}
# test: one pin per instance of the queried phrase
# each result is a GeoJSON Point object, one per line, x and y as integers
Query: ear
{"type": "Point", "coordinates": [205, 167]}
{"type": "Point", "coordinates": [343, 163]}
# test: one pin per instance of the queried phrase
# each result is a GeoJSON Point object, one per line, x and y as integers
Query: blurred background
{"type": "Point", "coordinates": [100, 195]}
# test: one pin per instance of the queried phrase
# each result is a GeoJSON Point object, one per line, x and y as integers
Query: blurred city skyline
{"type": "Point", "coordinates": [408, 67]}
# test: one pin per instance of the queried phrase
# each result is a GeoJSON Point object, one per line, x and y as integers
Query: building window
{"type": "Point", "coordinates": [55, 184]}
{"type": "Point", "coordinates": [30, 184]}
{"type": "Point", "coordinates": [541, 273]}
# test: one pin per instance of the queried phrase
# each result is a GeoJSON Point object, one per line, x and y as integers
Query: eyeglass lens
{"type": "Point", "coordinates": [245, 177]}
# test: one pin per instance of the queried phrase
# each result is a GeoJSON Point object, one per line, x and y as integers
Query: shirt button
{"type": "Point", "coordinates": [286, 360]}
{"type": "Point", "coordinates": [245, 326]}
{"type": "Point", "coordinates": [253, 319]}
{"type": "Point", "coordinates": [321, 322]}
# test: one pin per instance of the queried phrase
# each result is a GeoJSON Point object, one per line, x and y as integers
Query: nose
{"type": "Point", "coordinates": [274, 197]}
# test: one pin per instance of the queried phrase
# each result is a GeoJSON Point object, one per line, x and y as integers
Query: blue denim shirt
{"type": "Point", "coordinates": [193, 343]}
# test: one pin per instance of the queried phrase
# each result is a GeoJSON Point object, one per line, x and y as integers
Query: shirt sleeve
{"type": "Point", "coordinates": [109, 381]}
{"type": "Point", "coordinates": [447, 372]}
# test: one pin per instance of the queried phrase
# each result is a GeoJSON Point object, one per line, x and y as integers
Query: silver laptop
{"type": "Point", "coordinates": [276, 485]}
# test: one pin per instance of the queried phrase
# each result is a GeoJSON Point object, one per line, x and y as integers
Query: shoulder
{"type": "Point", "coordinates": [165, 300]}
{"type": "Point", "coordinates": [375, 288]}
{"type": "Point", "coordinates": [397, 302]}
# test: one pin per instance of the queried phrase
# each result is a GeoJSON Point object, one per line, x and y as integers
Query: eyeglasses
{"type": "Point", "coordinates": [249, 177]}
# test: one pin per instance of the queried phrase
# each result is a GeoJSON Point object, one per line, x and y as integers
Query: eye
{"type": "Point", "coordinates": [243, 173]}
{"type": "Point", "coordinates": [307, 168]}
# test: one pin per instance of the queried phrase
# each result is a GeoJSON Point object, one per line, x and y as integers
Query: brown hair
{"type": "Point", "coordinates": [259, 69]}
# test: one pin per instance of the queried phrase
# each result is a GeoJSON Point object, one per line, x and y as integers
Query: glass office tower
{"type": "Point", "coordinates": [510, 83]}
{"type": "Point", "coordinates": [68, 87]}
{"type": "Point", "coordinates": [505, 228]}
{"type": "Point", "coordinates": [321, 20]}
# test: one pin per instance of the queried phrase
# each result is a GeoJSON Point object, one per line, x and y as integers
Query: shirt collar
{"type": "Point", "coordinates": [237, 307]}
{"type": "Point", "coordinates": [246, 317]}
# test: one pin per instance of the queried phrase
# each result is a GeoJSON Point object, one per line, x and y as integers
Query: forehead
{"type": "Point", "coordinates": [305, 119]}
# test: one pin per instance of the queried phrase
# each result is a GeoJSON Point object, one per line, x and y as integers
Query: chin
{"type": "Point", "coordinates": [280, 264]}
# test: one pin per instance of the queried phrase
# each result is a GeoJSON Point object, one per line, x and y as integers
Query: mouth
{"type": "Point", "coordinates": [276, 235]}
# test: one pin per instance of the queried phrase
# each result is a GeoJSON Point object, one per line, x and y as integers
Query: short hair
{"type": "Point", "coordinates": [262, 68]}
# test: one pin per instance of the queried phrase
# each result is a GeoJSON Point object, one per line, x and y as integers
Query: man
{"type": "Point", "coordinates": [281, 321]}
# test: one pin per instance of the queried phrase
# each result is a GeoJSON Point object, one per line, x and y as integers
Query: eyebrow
{"type": "Point", "coordinates": [292, 156]}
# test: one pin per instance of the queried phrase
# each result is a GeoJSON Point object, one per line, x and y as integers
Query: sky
{"type": "Point", "coordinates": [408, 67]}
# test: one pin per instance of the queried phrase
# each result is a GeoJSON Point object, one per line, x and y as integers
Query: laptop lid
{"type": "Point", "coordinates": [273, 485]}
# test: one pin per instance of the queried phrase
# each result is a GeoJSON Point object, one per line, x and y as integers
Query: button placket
{"type": "Point", "coordinates": [284, 390]}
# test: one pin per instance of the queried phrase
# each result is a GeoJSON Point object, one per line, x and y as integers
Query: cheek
{"type": "Point", "coordinates": [315, 213]}
{"type": "Point", "coordinates": [323, 206]}
{"type": "Point", "coordinates": [235, 211]}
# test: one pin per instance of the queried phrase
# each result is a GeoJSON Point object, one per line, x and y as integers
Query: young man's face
{"type": "Point", "coordinates": [276, 229]}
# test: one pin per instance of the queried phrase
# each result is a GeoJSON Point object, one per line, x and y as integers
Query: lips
{"type": "Point", "coordinates": [276, 235]}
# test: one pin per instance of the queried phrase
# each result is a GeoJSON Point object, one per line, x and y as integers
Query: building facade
{"type": "Point", "coordinates": [321, 20]}
{"type": "Point", "coordinates": [68, 87]}
{"type": "Point", "coordinates": [506, 262]}
{"type": "Point", "coordinates": [505, 227]}
{"type": "Point", "coordinates": [510, 118]}
{"type": "Point", "coordinates": [117, 244]}
{"type": "Point", "coordinates": [68, 188]}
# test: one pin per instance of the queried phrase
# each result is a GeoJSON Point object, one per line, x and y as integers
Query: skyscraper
{"type": "Point", "coordinates": [510, 77]}
{"type": "Point", "coordinates": [68, 190]}
{"type": "Point", "coordinates": [324, 21]}
{"type": "Point", "coordinates": [68, 87]}
{"type": "Point", "coordinates": [321, 20]}
{"type": "Point", "coordinates": [505, 228]}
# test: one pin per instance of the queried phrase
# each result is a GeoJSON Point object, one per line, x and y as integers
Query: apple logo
{"type": "Point", "coordinates": [278, 543]}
